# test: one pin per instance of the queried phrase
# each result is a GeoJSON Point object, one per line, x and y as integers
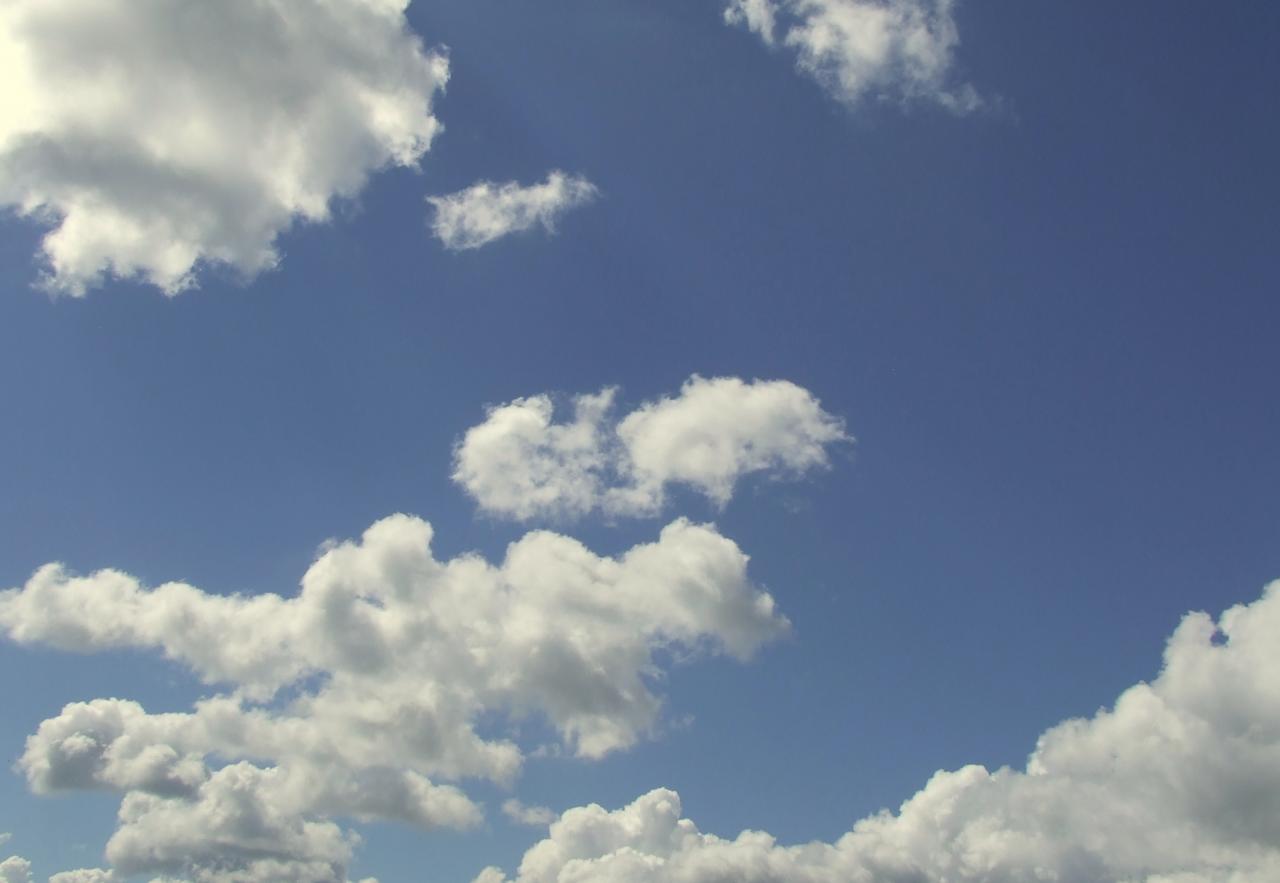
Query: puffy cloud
{"type": "Point", "coordinates": [899, 49]}
{"type": "Point", "coordinates": [486, 211]}
{"type": "Point", "coordinates": [534, 816]}
{"type": "Point", "coordinates": [155, 136]}
{"type": "Point", "coordinates": [351, 698]}
{"type": "Point", "coordinates": [15, 870]}
{"type": "Point", "coordinates": [521, 464]}
{"type": "Point", "coordinates": [1179, 782]}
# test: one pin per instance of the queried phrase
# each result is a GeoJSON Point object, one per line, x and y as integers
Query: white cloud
{"type": "Point", "coordinates": [155, 136]}
{"type": "Point", "coordinates": [354, 697]}
{"type": "Point", "coordinates": [1178, 783]}
{"type": "Point", "coordinates": [486, 211]}
{"type": "Point", "coordinates": [15, 870]}
{"type": "Point", "coordinates": [895, 49]}
{"type": "Point", "coordinates": [519, 463]}
{"type": "Point", "coordinates": [533, 816]}
{"type": "Point", "coordinates": [84, 875]}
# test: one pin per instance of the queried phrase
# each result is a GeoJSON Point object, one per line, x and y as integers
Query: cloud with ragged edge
{"type": "Point", "coordinates": [520, 463]}
{"type": "Point", "coordinates": [359, 696]}
{"type": "Point", "coordinates": [1178, 782]}
{"type": "Point", "coordinates": [157, 137]}
{"type": "Point", "coordinates": [899, 50]}
{"type": "Point", "coordinates": [485, 212]}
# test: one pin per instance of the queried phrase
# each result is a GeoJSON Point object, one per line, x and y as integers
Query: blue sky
{"type": "Point", "coordinates": [1049, 322]}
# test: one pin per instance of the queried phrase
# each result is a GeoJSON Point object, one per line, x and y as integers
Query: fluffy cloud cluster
{"type": "Point", "coordinates": [15, 870]}
{"type": "Point", "coordinates": [154, 136]}
{"type": "Point", "coordinates": [486, 211]}
{"type": "Point", "coordinates": [896, 49]}
{"type": "Point", "coordinates": [1178, 783]}
{"type": "Point", "coordinates": [354, 698]}
{"type": "Point", "coordinates": [522, 464]}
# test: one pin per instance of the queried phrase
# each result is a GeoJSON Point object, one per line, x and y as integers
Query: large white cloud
{"type": "Point", "coordinates": [521, 464]}
{"type": "Point", "coordinates": [889, 49]}
{"type": "Point", "coordinates": [486, 211]}
{"type": "Point", "coordinates": [155, 136]}
{"type": "Point", "coordinates": [388, 672]}
{"type": "Point", "coordinates": [1178, 783]}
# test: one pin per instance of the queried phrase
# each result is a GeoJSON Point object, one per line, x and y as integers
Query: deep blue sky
{"type": "Point", "coordinates": [1051, 325]}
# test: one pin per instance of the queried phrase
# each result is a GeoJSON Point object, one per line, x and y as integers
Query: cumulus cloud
{"type": "Point", "coordinates": [486, 211]}
{"type": "Point", "coordinates": [1179, 782]}
{"type": "Point", "coordinates": [15, 870]}
{"type": "Point", "coordinates": [887, 49]}
{"type": "Point", "coordinates": [155, 136]}
{"type": "Point", "coordinates": [520, 463]}
{"type": "Point", "coordinates": [355, 697]}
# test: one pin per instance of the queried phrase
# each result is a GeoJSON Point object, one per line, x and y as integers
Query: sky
{"type": "Point", "coordinates": [536, 442]}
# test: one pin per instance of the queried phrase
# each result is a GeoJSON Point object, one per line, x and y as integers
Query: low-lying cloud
{"type": "Point", "coordinates": [360, 697]}
{"type": "Point", "coordinates": [1179, 782]}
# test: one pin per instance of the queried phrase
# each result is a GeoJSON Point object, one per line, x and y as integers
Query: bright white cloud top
{"type": "Point", "coordinates": [352, 698]}
{"type": "Point", "coordinates": [520, 463]}
{"type": "Point", "coordinates": [486, 211]}
{"type": "Point", "coordinates": [894, 49]}
{"type": "Point", "coordinates": [15, 870]}
{"type": "Point", "coordinates": [155, 136]}
{"type": "Point", "coordinates": [1178, 783]}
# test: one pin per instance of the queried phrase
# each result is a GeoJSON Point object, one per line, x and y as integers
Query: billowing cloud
{"type": "Point", "coordinates": [15, 870]}
{"type": "Point", "coordinates": [155, 136]}
{"type": "Point", "coordinates": [486, 211]}
{"type": "Point", "coordinates": [857, 49]}
{"type": "Point", "coordinates": [520, 463]}
{"type": "Point", "coordinates": [357, 696]}
{"type": "Point", "coordinates": [1178, 783]}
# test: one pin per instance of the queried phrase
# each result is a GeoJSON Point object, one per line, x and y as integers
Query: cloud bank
{"type": "Point", "coordinates": [358, 696]}
{"type": "Point", "coordinates": [858, 49]}
{"type": "Point", "coordinates": [156, 136]}
{"type": "Point", "coordinates": [519, 463]}
{"type": "Point", "coordinates": [486, 211]}
{"type": "Point", "coordinates": [1178, 783]}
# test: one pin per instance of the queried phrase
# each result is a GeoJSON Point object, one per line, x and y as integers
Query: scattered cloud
{"type": "Point", "coordinates": [155, 136]}
{"type": "Point", "coordinates": [521, 464]}
{"type": "Point", "coordinates": [486, 211]}
{"type": "Point", "coordinates": [357, 696]}
{"type": "Point", "coordinates": [858, 49]}
{"type": "Point", "coordinates": [1178, 783]}
{"type": "Point", "coordinates": [533, 816]}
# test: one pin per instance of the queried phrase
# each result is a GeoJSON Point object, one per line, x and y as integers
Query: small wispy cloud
{"type": "Point", "coordinates": [487, 211]}
{"type": "Point", "coordinates": [533, 816]}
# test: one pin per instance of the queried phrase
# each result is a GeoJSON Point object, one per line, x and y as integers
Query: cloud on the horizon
{"type": "Point", "coordinates": [487, 211]}
{"type": "Point", "coordinates": [900, 50]}
{"type": "Point", "coordinates": [519, 463]}
{"type": "Point", "coordinates": [1179, 782]}
{"type": "Point", "coordinates": [389, 672]}
{"type": "Point", "coordinates": [155, 137]}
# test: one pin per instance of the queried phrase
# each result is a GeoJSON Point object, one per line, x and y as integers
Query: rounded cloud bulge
{"type": "Point", "coordinates": [156, 137]}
